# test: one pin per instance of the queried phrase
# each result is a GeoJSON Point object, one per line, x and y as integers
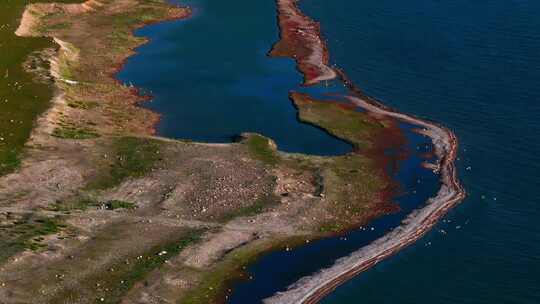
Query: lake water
{"type": "Point", "coordinates": [473, 66]}
{"type": "Point", "coordinates": [277, 270]}
{"type": "Point", "coordinates": [211, 79]}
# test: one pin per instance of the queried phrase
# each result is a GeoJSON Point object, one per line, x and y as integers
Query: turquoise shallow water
{"type": "Point", "coordinates": [473, 66]}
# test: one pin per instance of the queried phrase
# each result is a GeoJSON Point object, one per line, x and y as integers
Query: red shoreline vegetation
{"type": "Point", "coordinates": [301, 40]}
{"type": "Point", "coordinates": [95, 80]}
{"type": "Point", "coordinates": [314, 288]}
{"type": "Point", "coordinates": [174, 13]}
{"type": "Point", "coordinates": [389, 138]}
{"type": "Point", "coordinates": [418, 223]}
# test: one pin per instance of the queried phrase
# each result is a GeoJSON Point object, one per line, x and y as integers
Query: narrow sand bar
{"type": "Point", "coordinates": [312, 289]}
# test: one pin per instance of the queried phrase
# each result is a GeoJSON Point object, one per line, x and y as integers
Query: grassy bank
{"type": "Point", "coordinates": [27, 231]}
{"type": "Point", "coordinates": [21, 97]}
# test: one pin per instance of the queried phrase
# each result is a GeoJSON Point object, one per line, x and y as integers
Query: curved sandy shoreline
{"type": "Point", "coordinates": [328, 283]}
{"type": "Point", "coordinates": [312, 289]}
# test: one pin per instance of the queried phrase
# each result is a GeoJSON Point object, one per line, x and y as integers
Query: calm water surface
{"type": "Point", "coordinates": [212, 80]}
{"type": "Point", "coordinates": [277, 270]}
{"type": "Point", "coordinates": [473, 66]}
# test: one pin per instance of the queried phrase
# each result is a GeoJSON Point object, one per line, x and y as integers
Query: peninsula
{"type": "Point", "coordinates": [98, 208]}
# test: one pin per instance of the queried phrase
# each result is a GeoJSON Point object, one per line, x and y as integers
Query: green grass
{"type": "Point", "coordinates": [213, 285]}
{"type": "Point", "coordinates": [26, 233]}
{"type": "Point", "coordinates": [9, 159]}
{"type": "Point", "coordinates": [83, 105]}
{"type": "Point", "coordinates": [330, 227]}
{"type": "Point", "coordinates": [116, 204]}
{"type": "Point", "coordinates": [132, 157]}
{"type": "Point", "coordinates": [351, 184]}
{"type": "Point", "coordinates": [131, 274]}
{"type": "Point", "coordinates": [125, 272]}
{"type": "Point", "coordinates": [21, 98]}
{"type": "Point", "coordinates": [70, 132]}
{"type": "Point", "coordinates": [348, 124]}
{"type": "Point", "coordinates": [259, 148]}
{"type": "Point", "coordinates": [73, 204]}
{"type": "Point", "coordinates": [59, 26]}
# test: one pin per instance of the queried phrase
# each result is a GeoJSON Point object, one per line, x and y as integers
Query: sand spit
{"type": "Point", "coordinates": [301, 40]}
{"type": "Point", "coordinates": [313, 288]}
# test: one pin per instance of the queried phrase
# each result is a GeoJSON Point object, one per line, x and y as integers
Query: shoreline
{"type": "Point", "coordinates": [296, 195]}
{"type": "Point", "coordinates": [312, 289]}
{"type": "Point", "coordinates": [300, 38]}
{"type": "Point", "coordinates": [177, 12]}
{"type": "Point", "coordinates": [103, 127]}
{"type": "Point", "coordinates": [27, 28]}
{"type": "Point", "coordinates": [418, 223]}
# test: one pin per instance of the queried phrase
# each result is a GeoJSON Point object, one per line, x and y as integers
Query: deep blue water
{"type": "Point", "coordinates": [473, 66]}
{"type": "Point", "coordinates": [277, 270]}
{"type": "Point", "coordinates": [211, 79]}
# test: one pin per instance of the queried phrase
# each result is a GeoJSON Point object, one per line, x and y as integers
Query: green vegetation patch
{"type": "Point", "coordinates": [73, 204]}
{"type": "Point", "coordinates": [21, 232]}
{"type": "Point", "coordinates": [339, 120]}
{"type": "Point", "coordinates": [262, 149]}
{"type": "Point", "coordinates": [9, 159]}
{"type": "Point", "coordinates": [132, 157]}
{"type": "Point", "coordinates": [83, 105]}
{"type": "Point", "coordinates": [21, 98]}
{"type": "Point", "coordinates": [124, 276]}
{"type": "Point", "coordinates": [59, 26]}
{"type": "Point", "coordinates": [212, 288]}
{"type": "Point", "coordinates": [70, 132]}
{"type": "Point", "coordinates": [351, 186]}
{"type": "Point", "coordinates": [357, 174]}
{"type": "Point", "coordinates": [81, 204]}
{"type": "Point", "coordinates": [110, 286]}
{"type": "Point", "coordinates": [116, 204]}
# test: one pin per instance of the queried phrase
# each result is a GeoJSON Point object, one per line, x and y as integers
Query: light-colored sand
{"type": "Point", "coordinates": [29, 22]}
{"type": "Point", "coordinates": [313, 288]}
